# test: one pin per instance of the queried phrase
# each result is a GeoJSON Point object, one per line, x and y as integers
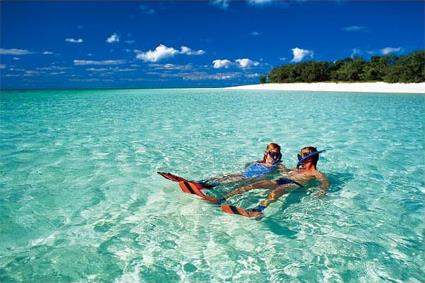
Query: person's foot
{"type": "Point", "coordinates": [241, 211]}
{"type": "Point", "coordinates": [214, 200]}
{"type": "Point", "coordinates": [258, 208]}
{"type": "Point", "coordinates": [257, 215]}
{"type": "Point", "coordinates": [206, 185]}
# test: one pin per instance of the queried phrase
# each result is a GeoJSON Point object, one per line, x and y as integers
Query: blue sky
{"type": "Point", "coordinates": [192, 44]}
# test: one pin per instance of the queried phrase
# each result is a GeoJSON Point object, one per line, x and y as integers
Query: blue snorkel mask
{"type": "Point", "coordinates": [302, 159]}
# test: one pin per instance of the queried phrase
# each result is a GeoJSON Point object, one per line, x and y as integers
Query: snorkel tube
{"type": "Point", "coordinates": [302, 159]}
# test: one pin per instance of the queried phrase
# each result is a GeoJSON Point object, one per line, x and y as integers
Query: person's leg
{"type": "Point", "coordinates": [267, 184]}
{"type": "Point", "coordinates": [226, 179]}
{"type": "Point", "coordinates": [274, 196]}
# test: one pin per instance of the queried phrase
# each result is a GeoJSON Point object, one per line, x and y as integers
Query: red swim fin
{"type": "Point", "coordinates": [171, 177]}
{"type": "Point", "coordinates": [241, 211]}
{"type": "Point", "coordinates": [178, 179]}
{"type": "Point", "coordinates": [195, 188]}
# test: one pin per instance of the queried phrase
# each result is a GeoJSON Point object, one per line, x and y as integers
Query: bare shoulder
{"type": "Point", "coordinates": [282, 168]}
{"type": "Point", "coordinates": [319, 175]}
{"type": "Point", "coordinates": [323, 179]}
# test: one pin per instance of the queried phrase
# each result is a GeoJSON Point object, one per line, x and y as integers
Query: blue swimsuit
{"type": "Point", "coordinates": [257, 170]}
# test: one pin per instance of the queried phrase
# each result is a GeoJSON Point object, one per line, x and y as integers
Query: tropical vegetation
{"type": "Point", "coordinates": [389, 68]}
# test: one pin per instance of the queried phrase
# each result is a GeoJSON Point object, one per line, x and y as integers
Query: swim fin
{"type": "Point", "coordinates": [241, 211]}
{"type": "Point", "coordinates": [195, 188]}
{"type": "Point", "coordinates": [171, 177]}
{"type": "Point", "coordinates": [177, 179]}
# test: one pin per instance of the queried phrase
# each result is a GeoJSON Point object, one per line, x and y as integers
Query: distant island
{"type": "Point", "coordinates": [389, 68]}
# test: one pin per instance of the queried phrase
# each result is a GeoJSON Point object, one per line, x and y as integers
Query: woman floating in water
{"type": "Point", "coordinates": [271, 163]}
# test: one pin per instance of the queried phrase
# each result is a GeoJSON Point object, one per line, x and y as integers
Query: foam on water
{"type": "Point", "coordinates": [80, 199]}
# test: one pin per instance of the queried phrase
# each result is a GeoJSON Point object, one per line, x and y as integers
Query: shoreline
{"type": "Point", "coordinates": [339, 87]}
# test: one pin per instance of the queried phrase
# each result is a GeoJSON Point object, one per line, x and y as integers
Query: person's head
{"type": "Point", "coordinates": [272, 154]}
{"type": "Point", "coordinates": [306, 151]}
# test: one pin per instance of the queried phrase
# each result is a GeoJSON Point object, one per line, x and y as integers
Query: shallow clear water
{"type": "Point", "coordinates": [80, 199]}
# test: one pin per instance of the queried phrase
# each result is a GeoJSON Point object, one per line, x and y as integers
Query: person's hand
{"type": "Point", "coordinates": [320, 193]}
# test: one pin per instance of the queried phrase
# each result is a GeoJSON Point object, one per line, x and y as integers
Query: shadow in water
{"type": "Point", "coordinates": [338, 180]}
{"type": "Point", "coordinates": [274, 222]}
{"type": "Point", "coordinates": [277, 228]}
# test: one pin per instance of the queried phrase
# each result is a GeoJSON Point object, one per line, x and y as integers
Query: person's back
{"type": "Point", "coordinates": [306, 170]}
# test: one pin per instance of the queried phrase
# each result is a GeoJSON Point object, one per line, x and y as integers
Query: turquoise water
{"type": "Point", "coordinates": [80, 200]}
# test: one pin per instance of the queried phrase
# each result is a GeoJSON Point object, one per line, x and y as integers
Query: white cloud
{"type": "Point", "coordinates": [241, 63]}
{"type": "Point", "coordinates": [388, 50]}
{"type": "Point", "coordinates": [47, 53]}
{"type": "Point", "coordinates": [253, 75]}
{"type": "Point", "coordinates": [353, 28]}
{"type": "Point", "coordinates": [91, 80]}
{"type": "Point", "coordinates": [14, 51]}
{"type": "Point", "coordinates": [93, 62]}
{"type": "Point", "coordinates": [186, 50]}
{"type": "Point", "coordinates": [299, 54]}
{"type": "Point", "coordinates": [255, 33]}
{"type": "Point", "coordinates": [162, 52]}
{"type": "Point", "coordinates": [355, 52]}
{"type": "Point", "coordinates": [97, 69]}
{"type": "Point", "coordinates": [246, 63]}
{"type": "Point", "coordinates": [74, 40]}
{"type": "Point", "coordinates": [223, 4]}
{"type": "Point", "coordinates": [32, 73]}
{"type": "Point", "coordinates": [2, 66]}
{"type": "Point", "coordinates": [221, 63]}
{"type": "Point", "coordinates": [147, 10]}
{"type": "Point", "coordinates": [110, 69]}
{"type": "Point", "coordinates": [171, 67]}
{"type": "Point", "coordinates": [52, 68]}
{"type": "Point", "coordinates": [259, 2]}
{"type": "Point", "coordinates": [113, 38]}
{"type": "Point", "coordinates": [197, 76]}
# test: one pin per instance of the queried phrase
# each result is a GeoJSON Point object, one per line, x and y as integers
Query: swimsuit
{"type": "Point", "coordinates": [286, 181]}
{"type": "Point", "coordinates": [257, 170]}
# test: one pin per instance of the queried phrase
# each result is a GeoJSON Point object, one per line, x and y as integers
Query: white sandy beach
{"type": "Point", "coordinates": [340, 87]}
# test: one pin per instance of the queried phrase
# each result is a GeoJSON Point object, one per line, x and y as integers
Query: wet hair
{"type": "Point", "coordinates": [307, 150]}
{"type": "Point", "coordinates": [270, 147]}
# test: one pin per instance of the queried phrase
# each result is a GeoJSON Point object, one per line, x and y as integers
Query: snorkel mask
{"type": "Point", "coordinates": [302, 159]}
{"type": "Point", "coordinates": [276, 156]}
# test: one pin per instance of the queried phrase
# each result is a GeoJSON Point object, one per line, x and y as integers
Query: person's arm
{"type": "Point", "coordinates": [282, 168]}
{"type": "Point", "coordinates": [276, 194]}
{"type": "Point", "coordinates": [249, 163]}
{"type": "Point", "coordinates": [256, 185]}
{"type": "Point", "coordinates": [324, 184]}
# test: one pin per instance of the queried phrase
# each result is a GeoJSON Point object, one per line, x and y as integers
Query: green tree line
{"type": "Point", "coordinates": [389, 68]}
